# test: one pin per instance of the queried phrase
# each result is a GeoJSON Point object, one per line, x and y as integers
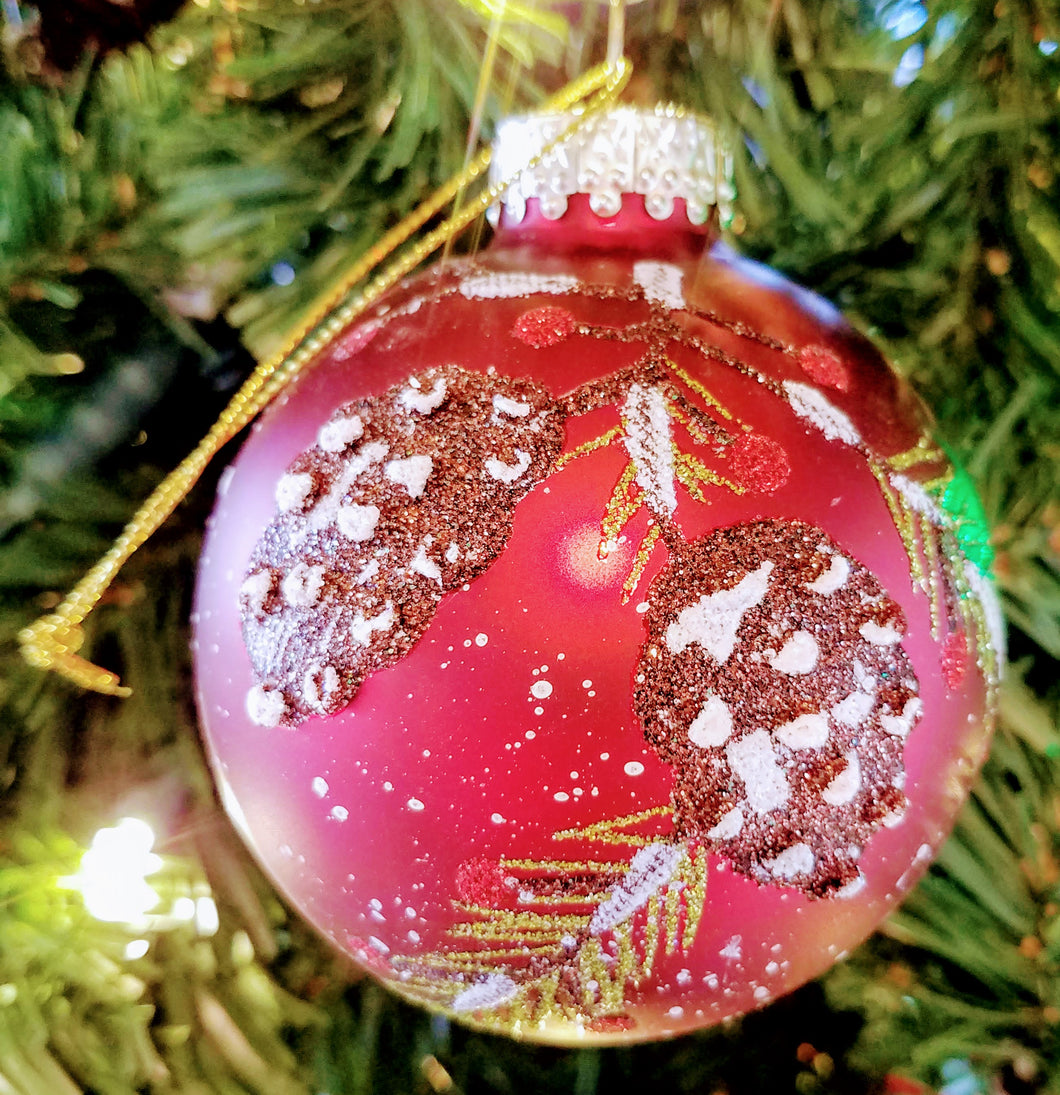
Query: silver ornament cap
{"type": "Point", "coordinates": [661, 154]}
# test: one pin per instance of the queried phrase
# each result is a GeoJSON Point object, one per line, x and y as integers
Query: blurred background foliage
{"type": "Point", "coordinates": [178, 182]}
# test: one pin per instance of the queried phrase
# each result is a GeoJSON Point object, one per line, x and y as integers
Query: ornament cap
{"type": "Point", "coordinates": [670, 157]}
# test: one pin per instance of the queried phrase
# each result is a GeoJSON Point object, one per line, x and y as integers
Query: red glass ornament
{"type": "Point", "coordinates": [583, 643]}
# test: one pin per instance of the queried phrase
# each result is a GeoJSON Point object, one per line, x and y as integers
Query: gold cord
{"type": "Point", "coordinates": [52, 641]}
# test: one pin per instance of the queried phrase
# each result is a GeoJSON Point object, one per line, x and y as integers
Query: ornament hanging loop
{"type": "Point", "coordinates": [52, 641]}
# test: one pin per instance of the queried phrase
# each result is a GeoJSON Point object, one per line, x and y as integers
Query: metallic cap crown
{"type": "Point", "coordinates": [661, 154]}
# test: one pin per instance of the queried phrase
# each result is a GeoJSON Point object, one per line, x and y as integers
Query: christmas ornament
{"type": "Point", "coordinates": [593, 643]}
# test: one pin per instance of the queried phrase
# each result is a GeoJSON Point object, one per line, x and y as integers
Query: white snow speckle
{"type": "Point", "coordinates": [833, 579]}
{"type": "Point", "coordinates": [361, 629]}
{"type": "Point", "coordinates": [508, 473]}
{"type": "Point", "coordinates": [415, 805]}
{"type": "Point", "coordinates": [798, 655]}
{"type": "Point", "coordinates": [339, 813]}
{"type": "Point", "coordinates": [292, 490]}
{"type": "Point", "coordinates": [320, 786]}
{"type": "Point", "coordinates": [713, 725]}
{"type": "Point", "coordinates": [792, 862]}
{"type": "Point", "coordinates": [423, 564]}
{"type": "Point", "coordinates": [806, 732]}
{"type": "Point", "coordinates": [541, 690]}
{"type": "Point", "coordinates": [357, 522]}
{"type": "Point", "coordinates": [424, 402]}
{"type": "Point", "coordinates": [854, 709]}
{"type": "Point", "coordinates": [846, 785]}
{"type": "Point", "coordinates": [265, 706]}
{"type": "Point", "coordinates": [754, 762]}
{"type": "Point", "coordinates": [256, 589]}
{"type": "Point", "coordinates": [900, 725]}
{"type": "Point", "coordinates": [877, 635]}
{"type": "Point", "coordinates": [301, 587]}
{"type": "Point", "coordinates": [342, 432]}
{"type": "Point", "coordinates": [729, 826]}
{"type": "Point", "coordinates": [412, 472]}
{"type": "Point", "coordinates": [510, 407]}
{"type": "Point", "coordinates": [633, 768]}
{"type": "Point", "coordinates": [715, 618]}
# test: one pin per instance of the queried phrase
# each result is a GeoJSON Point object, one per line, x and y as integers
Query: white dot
{"type": "Point", "coordinates": [320, 786]}
{"type": "Point", "coordinates": [340, 813]}
{"type": "Point", "coordinates": [561, 796]}
{"type": "Point", "coordinates": [676, 1012]}
{"type": "Point", "coordinates": [560, 657]}
{"type": "Point", "coordinates": [541, 690]}
{"type": "Point", "coordinates": [530, 735]}
{"type": "Point", "coordinates": [497, 819]}
{"type": "Point", "coordinates": [539, 710]}
{"type": "Point", "coordinates": [587, 684]}
{"type": "Point", "coordinates": [642, 607]}
{"type": "Point", "coordinates": [633, 768]}
{"type": "Point", "coordinates": [415, 805]}
{"type": "Point", "coordinates": [481, 639]}
{"type": "Point", "coordinates": [605, 756]}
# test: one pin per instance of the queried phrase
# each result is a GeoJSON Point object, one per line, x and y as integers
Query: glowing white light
{"type": "Point", "coordinates": [137, 948]}
{"type": "Point", "coordinates": [112, 878]}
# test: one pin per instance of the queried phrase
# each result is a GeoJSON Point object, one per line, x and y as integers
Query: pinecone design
{"type": "Point", "coordinates": [405, 497]}
{"type": "Point", "coordinates": [773, 680]}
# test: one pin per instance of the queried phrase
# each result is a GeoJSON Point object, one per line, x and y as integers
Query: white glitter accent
{"type": "Point", "coordinates": [752, 759]}
{"type": "Point", "coordinates": [292, 490]}
{"type": "Point", "coordinates": [256, 589]}
{"type": "Point", "coordinates": [503, 286]}
{"type": "Point", "coordinates": [833, 579]}
{"type": "Point", "coordinates": [411, 472]}
{"type": "Point", "coordinates": [792, 862]}
{"type": "Point", "coordinates": [797, 656]}
{"type": "Point", "coordinates": [510, 407]}
{"type": "Point", "coordinates": [301, 587]}
{"type": "Point", "coordinates": [492, 991]}
{"type": "Point", "coordinates": [342, 432]}
{"type": "Point", "coordinates": [452, 553]}
{"type": "Point", "coordinates": [650, 869]}
{"type": "Point", "coordinates": [370, 570]}
{"type": "Point", "coordinates": [423, 564]}
{"type": "Point", "coordinates": [633, 768]}
{"type": "Point", "coordinates": [918, 499]}
{"type": "Point", "coordinates": [541, 690]}
{"type": "Point", "coordinates": [854, 709]}
{"type": "Point", "coordinates": [806, 732]}
{"type": "Point", "coordinates": [729, 826]}
{"type": "Point", "coordinates": [265, 706]}
{"type": "Point", "coordinates": [361, 628]}
{"type": "Point", "coordinates": [983, 588]}
{"type": "Point", "coordinates": [650, 445]}
{"type": "Point", "coordinates": [508, 473]}
{"type": "Point", "coordinates": [414, 805]}
{"type": "Point", "coordinates": [316, 695]}
{"type": "Point", "coordinates": [877, 635]}
{"type": "Point", "coordinates": [326, 510]}
{"type": "Point", "coordinates": [424, 402]}
{"type": "Point", "coordinates": [713, 725]}
{"type": "Point", "coordinates": [846, 785]}
{"type": "Point", "coordinates": [481, 639]}
{"type": "Point", "coordinates": [853, 887]}
{"type": "Point", "coordinates": [808, 403]}
{"type": "Point", "coordinates": [715, 618]}
{"type": "Point", "coordinates": [733, 949]}
{"type": "Point", "coordinates": [339, 813]}
{"type": "Point", "coordinates": [320, 786]}
{"type": "Point", "coordinates": [357, 522]}
{"type": "Point", "coordinates": [900, 725]}
{"type": "Point", "coordinates": [661, 281]}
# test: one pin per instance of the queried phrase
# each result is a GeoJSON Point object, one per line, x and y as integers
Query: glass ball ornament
{"type": "Point", "coordinates": [592, 643]}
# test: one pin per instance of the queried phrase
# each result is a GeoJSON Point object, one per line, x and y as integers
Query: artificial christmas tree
{"type": "Point", "coordinates": [899, 158]}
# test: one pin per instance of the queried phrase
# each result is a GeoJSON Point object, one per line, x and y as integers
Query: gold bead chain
{"type": "Point", "coordinates": [52, 641]}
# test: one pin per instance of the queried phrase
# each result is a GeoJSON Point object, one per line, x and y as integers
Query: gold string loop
{"type": "Point", "coordinates": [52, 641]}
